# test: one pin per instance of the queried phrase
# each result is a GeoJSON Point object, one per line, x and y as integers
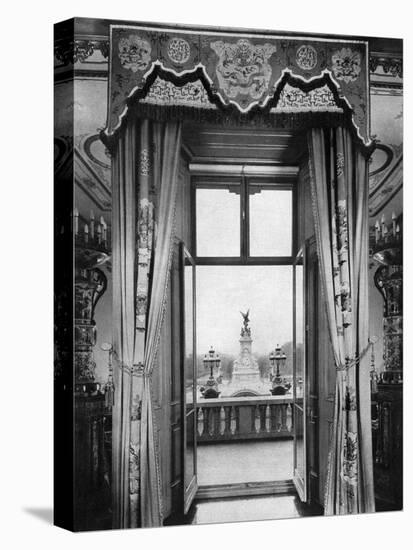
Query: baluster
{"type": "Point", "coordinates": [262, 416]}
{"type": "Point", "coordinates": [267, 418]}
{"type": "Point", "coordinates": [284, 417]}
{"type": "Point", "coordinates": [289, 418]}
{"type": "Point", "coordinates": [256, 414]}
{"type": "Point", "coordinates": [198, 421]}
{"type": "Point", "coordinates": [237, 422]}
{"type": "Point", "coordinates": [253, 417]}
{"type": "Point", "coordinates": [222, 421]}
{"type": "Point", "coordinates": [227, 420]}
{"type": "Point", "coordinates": [273, 418]}
{"type": "Point", "coordinates": [205, 431]}
{"type": "Point", "coordinates": [217, 421]}
{"type": "Point", "coordinates": [278, 416]}
{"type": "Point", "coordinates": [211, 417]}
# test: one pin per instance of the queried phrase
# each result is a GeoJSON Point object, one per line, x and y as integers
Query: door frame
{"type": "Point", "coordinates": [188, 491]}
{"type": "Point", "coordinates": [300, 483]}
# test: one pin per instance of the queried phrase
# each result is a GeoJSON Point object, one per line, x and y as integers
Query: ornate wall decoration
{"type": "Point", "coordinates": [178, 50]}
{"type": "Point", "coordinates": [294, 99]}
{"type": "Point", "coordinates": [134, 53]}
{"type": "Point", "coordinates": [390, 65]}
{"type": "Point", "coordinates": [90, 285]}
{"type": "Point", "coordinates": [306, 57]}
{"type": "Point", "coordinates": [346, 64]}
{"type": "Point", "coordinates": [243, 68]}
{"type": "Point", "coordinates": [192, 94]}
{"type": "Point", "coordinates": [70, 52]}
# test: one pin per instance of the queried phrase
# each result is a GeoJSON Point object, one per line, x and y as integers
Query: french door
{"type": "Point", "coordinates": [299, 378]}
{"type": "Point", "coordinates": [189, 378]}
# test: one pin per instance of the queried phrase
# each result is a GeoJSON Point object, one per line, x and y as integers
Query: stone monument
{"type": "Point", "coordinates": [246, 377]}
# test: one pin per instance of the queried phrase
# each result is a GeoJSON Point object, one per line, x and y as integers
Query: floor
{"type": "Point", "coordinates": [249, 509]}
{"type": "Point", "coordinates": [238, 462]}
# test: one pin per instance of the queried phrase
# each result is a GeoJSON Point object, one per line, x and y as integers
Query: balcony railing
{"type": "Point", "coordinates": [246, 418]}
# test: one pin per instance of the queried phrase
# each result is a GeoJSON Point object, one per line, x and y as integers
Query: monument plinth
{"type": "Point", "coordinates": [246, 377]}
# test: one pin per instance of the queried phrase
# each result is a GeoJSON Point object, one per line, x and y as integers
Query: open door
{"type": "Point", "coordinates": [189, 378]}
{"type": "Point", "coordinates": [299, 379]}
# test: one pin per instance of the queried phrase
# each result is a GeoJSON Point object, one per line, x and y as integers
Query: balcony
{"type": "Point", "coordinates": [246, 418]}
{"type": "Point", "coordinates": [244, 440]}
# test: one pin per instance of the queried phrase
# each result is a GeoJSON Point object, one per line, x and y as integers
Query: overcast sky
{"type": "Point", "coordinates": [224, 291]}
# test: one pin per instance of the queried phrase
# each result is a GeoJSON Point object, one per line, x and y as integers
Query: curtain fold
{"type": "Point", "coordinates": [123, 261]}
{"type": "Point", "coordinates": [144, 181]}
{"type": "Point", "coordinates": [339, 190]}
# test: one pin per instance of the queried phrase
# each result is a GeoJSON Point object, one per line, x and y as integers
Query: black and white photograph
{"type": "Point", "coordinates": [234, 351]}
{"type": "Point", "coordinates": [203, 275]}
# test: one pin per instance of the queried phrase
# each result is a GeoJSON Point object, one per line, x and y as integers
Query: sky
{"type": "Point", "coordinates": [224, 291]}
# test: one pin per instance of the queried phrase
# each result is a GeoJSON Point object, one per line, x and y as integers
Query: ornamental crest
{"type": "Point", "coordinates": [134, 53]}
{"type": "Point", "coordinates": [243, 68]}
{"type": "Point", "coordinates": [346, 64]}
{"type": "Point", "coordinates": [178, 50]}
{"type": "Point", "coordinates": [306, 57]}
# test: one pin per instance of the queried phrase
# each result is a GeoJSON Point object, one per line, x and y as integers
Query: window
{"type": "Point", "coordinates": [244, 244]}
{"type": "Point", "coordinates": [243, 220]}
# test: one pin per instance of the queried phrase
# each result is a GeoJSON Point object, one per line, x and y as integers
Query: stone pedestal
{"type": "Point", "coordinates": [246, 377]}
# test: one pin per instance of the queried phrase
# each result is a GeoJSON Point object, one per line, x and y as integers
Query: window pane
{"type": "Point", "coordinates": [189, 333]}
{"type": "Point", "coordinates": [270, 222]}
{"type": "Point", "coordinates": [218, 222]}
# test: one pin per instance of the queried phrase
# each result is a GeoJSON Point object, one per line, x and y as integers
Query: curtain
{"type": "Point", "coordinates": [339, 190]}
{"type": "Point", "coordinates": [144, 196]}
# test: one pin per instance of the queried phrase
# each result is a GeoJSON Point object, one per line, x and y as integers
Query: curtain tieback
{"type": "Point", "coordinates": [134, 370]}
{"type": "Point", "coordinates": [349, 363]}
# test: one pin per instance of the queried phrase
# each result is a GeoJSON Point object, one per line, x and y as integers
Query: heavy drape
{"type": "Point", "coordinates": [339, 189]}
{"type": "Point", "coordinates": [144, 180]}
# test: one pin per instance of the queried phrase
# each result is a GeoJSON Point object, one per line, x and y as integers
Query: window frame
{"type": "Point", "coordinates": [244, 181]}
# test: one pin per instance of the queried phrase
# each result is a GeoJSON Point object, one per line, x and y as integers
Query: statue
{"type": "Point", "coordinates": [246, 331]}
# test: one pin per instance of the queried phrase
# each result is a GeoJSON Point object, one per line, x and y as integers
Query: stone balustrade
{"type": "Point", "coordinates": [246, 418]}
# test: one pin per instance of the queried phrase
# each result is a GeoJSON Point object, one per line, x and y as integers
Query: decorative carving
{"type": "Point", "coordinates": [243, 68]}
{"type": "Point", "coordinates": [392, 65]}
{"type": "Point", "coordinates": [73, 51]}
{"type": "Point", "coordinates": [84, 367]}
{"type": "Point", "coordinates": [306, 57]}
{"type": "Point", "coordinates": [178, 50]}
{"type": "Point", "coordinates": [90, 284]}
{"type": "Point", "coordinates": [388, 280]}
{"type": "Point", "coordinates": [104, 48]}
{"type": "Point", "coordinates": [346, 64]}
{"type": "Point", "coordinates": [134, 53]}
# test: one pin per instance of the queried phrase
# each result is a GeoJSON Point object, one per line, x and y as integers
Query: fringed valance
{"type": "Point", "coordinates": [228, 76]}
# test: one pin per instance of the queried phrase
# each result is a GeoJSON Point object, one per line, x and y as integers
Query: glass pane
{"type": "Point", "coordinates": [189, 334]}
{"type": "Point", "coordinates": [218, 221]}
{"type": "Point", "coordinates": [299, 407]}
{"type": "Point", "coordinates": [299, 443]}
{"type": "Point", "coordinates": [299, 334]}
{"type": "Point", "coordinates": [190, 450]}
{"type": "Point", "coordinates": [270, 221]}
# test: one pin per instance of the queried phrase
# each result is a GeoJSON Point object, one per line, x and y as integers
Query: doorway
{"type": "Point", "coordinates": [243, 240]}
